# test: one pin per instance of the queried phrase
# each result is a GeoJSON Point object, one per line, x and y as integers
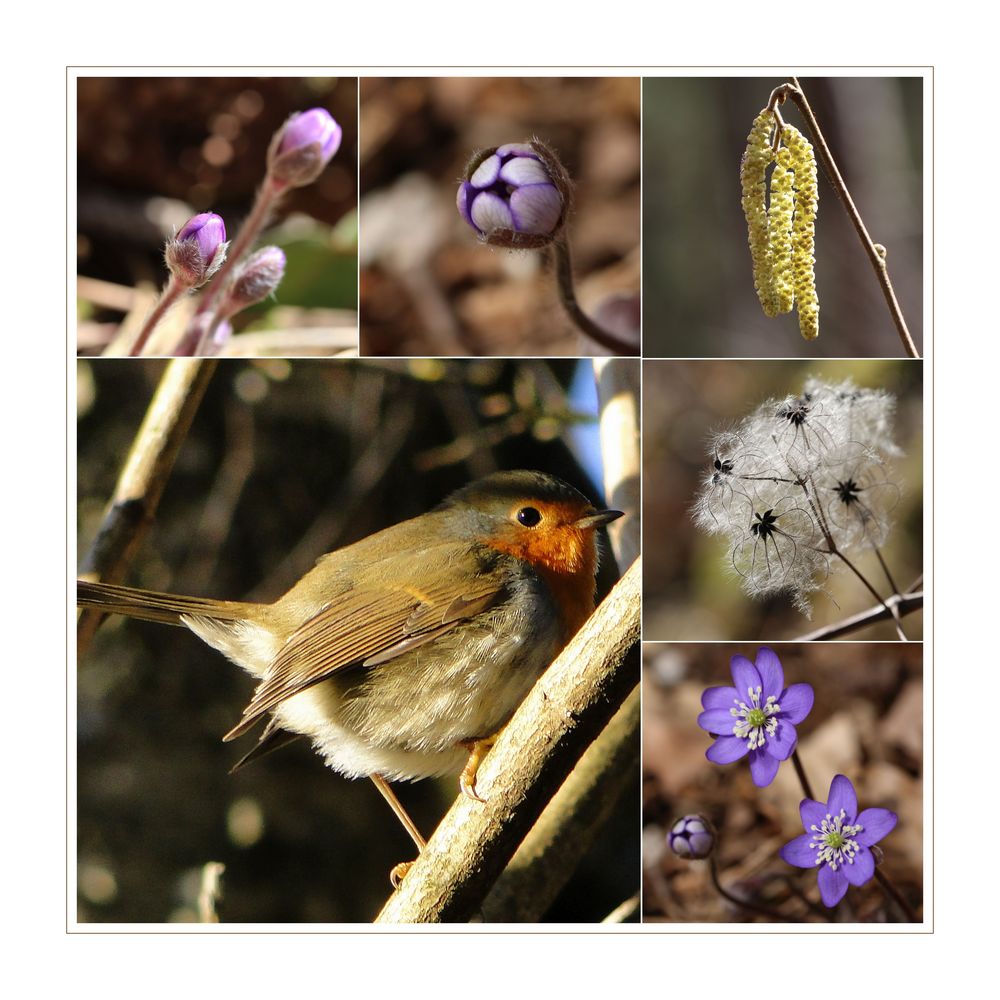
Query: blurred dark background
{"type": "Point", "coordinates": [699, 295]}
{"type": "Point", "coordinates": [428, 286]}
{"type": "Point", "coordinates": [153, 151]}
{"type": "Point", "coordinates": [690, 590]}
{"type": "Point", "coordinates": [866, 723]}
{"type": "Point", "coordinates": [284, 461]}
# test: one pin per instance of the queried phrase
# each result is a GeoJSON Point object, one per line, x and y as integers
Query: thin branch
{"type": "Point", "coordinates": [904, 604]}
{"type": "Point", "coordinates": [137, 493]}
{"type": "Point", "coordinates": [564, 712]}
{"type": "Point", "coordinates": [618, 389]}
{"type": "Point", "coordinates": [551, 851]}
{"type": "Point", "coordinates": [876, 253]}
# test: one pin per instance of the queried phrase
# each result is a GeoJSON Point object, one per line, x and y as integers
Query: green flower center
{"type": "Point", "coordinates": [753, 721]}
{"type": "Point", "coordinates": [834, 842]}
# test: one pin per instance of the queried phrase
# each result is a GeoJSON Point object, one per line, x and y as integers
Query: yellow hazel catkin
{"type": "Point", "coordinates": [803, 162]}
{"type": "Point", "coordinates": [779, 231]}
{"type": "Point", "coordinates": [753, 169]}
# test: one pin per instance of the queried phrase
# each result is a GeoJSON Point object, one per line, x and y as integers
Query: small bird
{"type": "Point", "coordinates": [402, 656]}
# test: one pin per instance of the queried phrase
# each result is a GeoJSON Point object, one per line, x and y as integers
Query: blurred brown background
{"type": "Point", "coordinates": [284, 461]}
{"type": "Point", "coordinates": [690, 590]}
{"type": "Point", "coordinates": [153, 151]}
{"type": "Point", "coordinates": [699, 295]}
{"type": "Point", "coordinates": [427, 284]}
{"type": "Point", "coordinates": [866, 723]}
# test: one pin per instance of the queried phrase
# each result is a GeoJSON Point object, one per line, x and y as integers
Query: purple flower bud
{"type": "Point", "coordinates": [256, 278]}
{"type": "Point", "coordinates": [515, 195]}
{"type": "Point", "coordinates": [303, 146]}
{"type": "Point", "coordinates": [198, 250]}
{"type": "Point", "coordinates": [692, 838]}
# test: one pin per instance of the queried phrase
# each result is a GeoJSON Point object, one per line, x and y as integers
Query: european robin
{"type": "Point", "coordinates": [402, 655]}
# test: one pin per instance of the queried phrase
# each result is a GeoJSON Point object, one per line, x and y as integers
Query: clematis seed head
{"type": "Point", "coordinates": [303, 146]}
{"type": "Point", "coordinates": [198, 250]}
{"type": "Point", "coordinates": [516, 195]}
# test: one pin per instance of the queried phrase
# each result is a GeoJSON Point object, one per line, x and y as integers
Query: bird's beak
{"type": "Point", "coordinates": [598, 519]}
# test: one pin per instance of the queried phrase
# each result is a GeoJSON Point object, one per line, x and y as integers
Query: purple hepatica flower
{"type": "Point", "coordinates": [303, 146]}
{"type": "Point", "coordinates": [838, 840]}
{"type": "Point", "coordinates": [514, 195]}
{"type": "Point", "coordinates": [757, 716]}
{"type": "Point", "coordinates": [198, 250]}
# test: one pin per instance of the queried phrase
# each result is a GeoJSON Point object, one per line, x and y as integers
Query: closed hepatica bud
{"type": "Point", "coordinates": [198, 250]}
{"type": "Point", "coordinates": [255, 280]}
{"type": "Point", "coordinates": [515, 195]}
{"type": "Point", "coordinates": [692, 838]}
{"type": "Point", "coordinates": [303, 146]}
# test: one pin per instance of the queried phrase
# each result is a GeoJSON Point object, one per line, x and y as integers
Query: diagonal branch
{"type": "Point", "coordinates": [564, 712]}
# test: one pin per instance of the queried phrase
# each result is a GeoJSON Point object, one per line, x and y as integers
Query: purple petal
{"type": "Point", "coordinates": [861, 869]}
{"type": "Point", "coordinates": [812, 812]}
{"type": "Point", "coordinates": [516, 149]}
{"type": "Point", "coordinates": [782, 743]}
{"type": "Point", "coordinates": [772, 677]}
{"type": "Point", "coordinates": [719, 697]}
{"type": "Point", "coordinates": [489, 211]}
{"type": "Point", "coordinates": [523, 170]}
{"type": "Point", "coordinates": [745, 676]}
{"type": "Point", "coordinates": [763, 767]}
{"type": "Point", "coordinates": [842, 796]}
{"type": "Point", "coordinates": [832, 885]}
{"type": "Point", "coordinates": [726, 749]}
{"type": "Point", "coordinates": [536, 207]}
{"type": "Point", "coordinates": [486, 173]}
{"type": "Point", "coordinates": [798, 852]}
{"type": "Point", "coordinates": [717, 721]}
{"type": "Point", "coordinates": [315, 125]}
{"type": "Point", "coordinates": [877, 823]}
{"type": "Point", "coordinates": [466, 192]}
{"type": "Point", "coordinates": [796, 702]}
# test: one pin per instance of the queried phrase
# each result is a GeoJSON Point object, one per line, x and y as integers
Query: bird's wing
{"type": "Point", "coordinates": [374, 622]}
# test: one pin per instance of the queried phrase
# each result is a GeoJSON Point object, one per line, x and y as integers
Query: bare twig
{"type": "Point", "coordinates": [210, 892]}
{"type": "Point", "coordinates": [904, 604]}
{"type": "Point", "coordinates": [876, 253]}
{"type": "Point", "coordinates": [623, 911]}
{"type": "Point", "coordinates": [137, 494]}
{"type": "Point", "coordinates": [551, 851]}
{"type": "Point", "coordinates": [563, 714]}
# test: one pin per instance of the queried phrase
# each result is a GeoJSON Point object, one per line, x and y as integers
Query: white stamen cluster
{"type": "Point", "coordinates": [834, 842]}
{"type": "Point", "coordinates": [753, 732]}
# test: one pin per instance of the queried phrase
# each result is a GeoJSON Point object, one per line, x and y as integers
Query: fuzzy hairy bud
{"type": "Point", "coordinates": [303, 146]}
{"type": "Point", "coordinates": [198, 250]}
{"type": "Point", "coordinates": [255, 279]}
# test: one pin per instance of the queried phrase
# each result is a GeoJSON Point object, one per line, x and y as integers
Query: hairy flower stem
{"type": "Point", "coordinates": [800, 773]}
{"type": "Point", "coordinates": [567, 295]}
{"type": "Point", "coordinates": [745, 904]}
{"type": "Point", "coordinates": [875, 254]}
{"type": "Point", "coordinates": [267, 198]}
{"type": "Point", "coordinates": [896, 896]}
{"type": "Point", "coordinates": [174, 291]}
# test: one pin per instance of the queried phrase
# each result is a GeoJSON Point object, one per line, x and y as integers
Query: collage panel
{"type": "Point", "coordinates": [721, 175]}
{"type": "Point", "coordinates": [500, 216]}
{"type": "Point", "coordinates": [813, 813]}
{"type": "Point", "coordinates": [793, 492]}
{"type": "Point", "coordinates": [216, 216]}
{"type": "Point", "coordinates": [284, 461]}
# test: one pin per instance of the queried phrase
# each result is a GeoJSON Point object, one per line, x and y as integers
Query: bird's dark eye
{"type": "Point", "coordinates": [528, 516]}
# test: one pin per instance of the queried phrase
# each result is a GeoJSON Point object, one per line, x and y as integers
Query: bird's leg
{"type": "Point", "coordinates": [478, 748]}
{"type": "Point", "coordinates": [397, 874]}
